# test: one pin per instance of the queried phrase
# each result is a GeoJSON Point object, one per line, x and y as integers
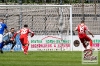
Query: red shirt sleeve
{"type": "Point", "coordinates": [32, 33]}
{"type": "Point", "coordinates": [86, 28]}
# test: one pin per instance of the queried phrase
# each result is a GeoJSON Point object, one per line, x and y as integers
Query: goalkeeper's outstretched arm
{"type": "Point", "coordinates": [12, 38]}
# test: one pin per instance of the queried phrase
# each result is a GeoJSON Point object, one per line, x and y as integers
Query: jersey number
{"type": "Point", "coordinates": [24, 31]}
{"type": "Point", "coordinates": [81, 29]}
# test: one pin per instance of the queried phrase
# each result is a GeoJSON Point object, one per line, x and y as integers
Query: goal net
{"type": "Point", "coordinates": [54, 21]}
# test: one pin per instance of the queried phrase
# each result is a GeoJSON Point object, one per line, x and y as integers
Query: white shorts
{"type": "Point", "coordinates": [1, 38]}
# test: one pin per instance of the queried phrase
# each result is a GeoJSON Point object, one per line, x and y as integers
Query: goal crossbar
{"type": "Point", "coordinates": [35, 5]}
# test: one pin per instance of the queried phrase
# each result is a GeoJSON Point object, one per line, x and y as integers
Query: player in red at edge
{"type": "Point", "coordinates": [81, 28]}
{"type": "Point", "coordinates": [24, 37]}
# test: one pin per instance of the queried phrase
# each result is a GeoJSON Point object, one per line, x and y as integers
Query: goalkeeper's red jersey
{"type": "Point", "coordinates": [82, 28]}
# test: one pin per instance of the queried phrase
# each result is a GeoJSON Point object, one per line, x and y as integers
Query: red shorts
{"type": "Point", "coordinates": [85, 38]}
{"type": "Point", "coordinates": [24, 40]}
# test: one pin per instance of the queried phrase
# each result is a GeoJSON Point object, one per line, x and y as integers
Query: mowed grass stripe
{"type": "Point", "coordinates": [43, 58]}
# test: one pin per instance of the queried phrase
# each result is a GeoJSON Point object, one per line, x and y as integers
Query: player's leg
{"type": "Point", "coordinates": [22, 42]}
{"type": "Point", "coordinates": [13, 44]}
{"type": "Point", "coordinates": [1, 43]}
{"type": "Point", "coordinates": [6, 42]}
{"type": "Point", "coordinates": [90, 40]}
{"type": "Point", "coordinates": [1, 46]}
{"type": "Point", "coordinates": [26, 49]}
{"type": "Point", "coordinates": [26, 43]}
{"type": "Point", "coordinates": [23, 46]}
{"type": "Point", "coordinates": [83, 42]}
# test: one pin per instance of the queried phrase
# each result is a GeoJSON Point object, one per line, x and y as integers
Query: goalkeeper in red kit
{"type": "Point", "coordinates": [82, 28]}
{"type": "Point", "coordinates": [24, 37]}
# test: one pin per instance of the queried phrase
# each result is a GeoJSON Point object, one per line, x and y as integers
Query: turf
{"type": "Point", "coordinates": [43, 58]}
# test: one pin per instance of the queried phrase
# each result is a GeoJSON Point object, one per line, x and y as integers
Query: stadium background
{"type": "Point", "coordinates": [87, 10]}
{"type": "Point", "coordinates": [69, 58]}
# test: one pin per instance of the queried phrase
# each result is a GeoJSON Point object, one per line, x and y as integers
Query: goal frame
{"type": "Point", "coordinates": [70, 17]}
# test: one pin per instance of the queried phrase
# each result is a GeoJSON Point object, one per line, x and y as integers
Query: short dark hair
{"type": "Point", "coordinates": [11, 28]}
{"type": "Point", "coordinates": [25, 25]}
{"type": "Point", "coordinates": [82, 21]}
{"type": "Point", "coordinates": [1, 19]}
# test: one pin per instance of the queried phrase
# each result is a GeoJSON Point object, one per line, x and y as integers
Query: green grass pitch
{"type": "Point", "coordinates": [44, 58]}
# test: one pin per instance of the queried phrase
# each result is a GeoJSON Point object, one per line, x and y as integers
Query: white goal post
{"type": "Point", "coordinates": [44, 19]}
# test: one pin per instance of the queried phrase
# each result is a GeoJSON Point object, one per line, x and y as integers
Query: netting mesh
{"type": "Point", "coordinates": [91, 16]}
{"type": "Point", "coordinates": [42, 20]}
{"type": "Point", "coordinates": [90, 11]}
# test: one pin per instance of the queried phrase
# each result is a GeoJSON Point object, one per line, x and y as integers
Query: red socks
{"type": "Point", "coordinates": [90, 43]}
{"type": "Point", "coordinates": [25, 49]}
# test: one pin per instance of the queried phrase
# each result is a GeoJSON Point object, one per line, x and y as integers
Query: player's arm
{"type": "Point", "coordinates": [5, 26]}
{"type": "Point", "coordinates": [76, 28]}
{"type": "Point", "coordinates": [32, 33]}
{"type": "Point", "coordinates": [6, 30]}
{"type": "Point", "coordinates": [6, 34]}
{"type": "Point", "coordinates": [12, 38]}
{"type": "Point", "coordinates": [89, 31]}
